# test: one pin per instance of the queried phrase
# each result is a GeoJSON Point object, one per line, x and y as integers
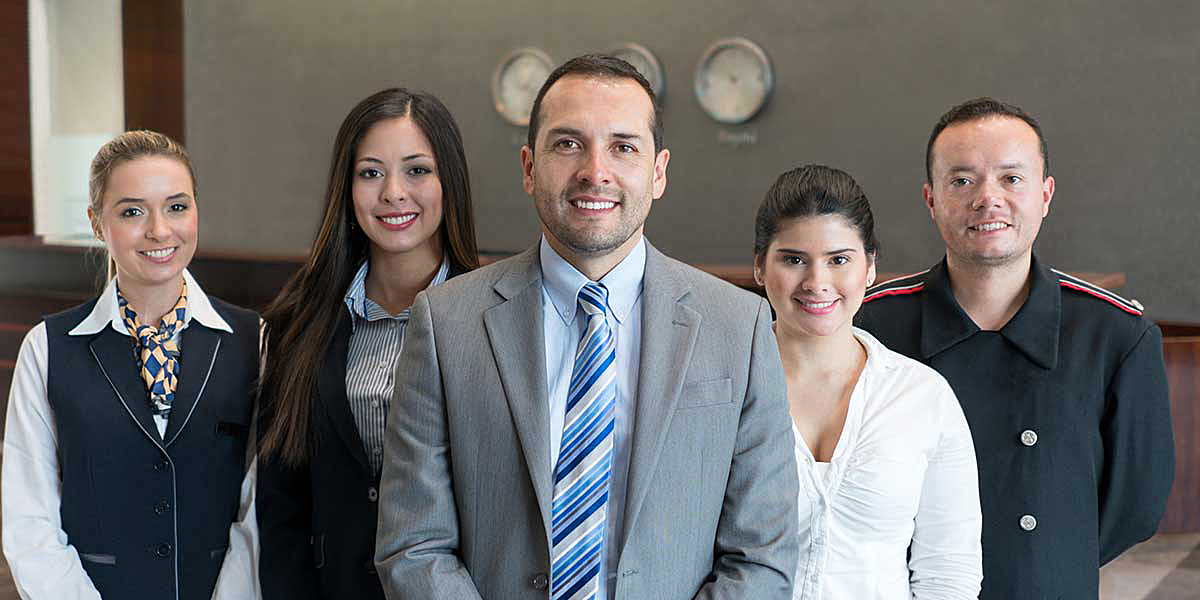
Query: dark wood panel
{"type": "Point", "coordinates": [16, 176]}
{"type": "Point", "coordinates": [152, 34]}
{"type": "Point", "coordinates": [1182, 357]}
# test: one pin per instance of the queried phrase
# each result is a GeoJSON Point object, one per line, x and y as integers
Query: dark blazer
{"type": "Point", "coordinates": [150, 514]}
{"type": "Point", "coordinates": [317, 523]}
{"type": "Point", "coordinates": [1068, 408]}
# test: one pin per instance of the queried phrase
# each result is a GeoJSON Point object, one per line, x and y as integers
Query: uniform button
{"type": "Point", "coordinates": [161, 466]}
{"type": "Point", "coordinates": [1028, 523]}
{"type": "Point", "coordinates": [162, 508]}
{"type": "Point", "coordinates": [163, 550]}
{"type": "Point", "coordinates": [539, 581]}
{"type": "Point", "coordinates": [1029, 437]}
{"type": "Point", "coordinates": [372, 494]}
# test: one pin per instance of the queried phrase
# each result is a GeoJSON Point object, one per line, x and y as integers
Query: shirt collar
{"type": "Point", "coordinates": [107, 310]}
{"type": "Point", "coordinates": [1033, 329]}
{"type": "Point", "coordinates": [562, 282]}
{"type": "Point", "coordinates": [362, 307]}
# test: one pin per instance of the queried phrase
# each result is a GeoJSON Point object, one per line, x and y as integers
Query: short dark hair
{"type": "Point", "coordinates": [811, 191]}
{"type": "Point", "coordinates": [981, 108]}
{"type": "Point", "coordinates": [596, 65]}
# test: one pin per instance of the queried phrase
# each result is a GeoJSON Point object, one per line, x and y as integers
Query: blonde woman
{"type": "Point", "coordinates": [130, 415]}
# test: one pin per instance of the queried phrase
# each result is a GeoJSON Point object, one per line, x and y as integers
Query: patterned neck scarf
{"type": "Point", "coordinates": [158, 354]}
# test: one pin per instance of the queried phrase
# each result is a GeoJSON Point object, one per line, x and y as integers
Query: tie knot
{"type": "Point", "coordinates": [593, 297]}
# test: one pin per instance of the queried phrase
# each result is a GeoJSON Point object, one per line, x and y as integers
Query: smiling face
{"type": "Point", "coordinates": [147, 219]}
{"type": "Point", "coordinates": [595, 172]}
{"type": "Point", "coordinates": [988, 195]}
{"type": "Point", "coordinates": [816, 272]}
{"type": "Point", "coordinates": [396, 189]}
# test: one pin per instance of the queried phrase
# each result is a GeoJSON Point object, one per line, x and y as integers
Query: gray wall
{"type": "Point", "coordinates": [859, 85]}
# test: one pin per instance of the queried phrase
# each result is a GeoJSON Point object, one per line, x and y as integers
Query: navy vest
{"type": "Point", "coordinates": [150, 514]}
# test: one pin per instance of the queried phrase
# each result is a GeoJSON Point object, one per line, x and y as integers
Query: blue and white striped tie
{"type": "Point", "coordinates": [584, 459]}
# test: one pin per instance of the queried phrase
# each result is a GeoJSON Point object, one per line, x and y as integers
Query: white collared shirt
{"type": "Point", "coordinates": [902, 477]}
{"type": "Point", "coordinates": [563, 324]}
{"type": "Point", "coordinates": [43, 563]}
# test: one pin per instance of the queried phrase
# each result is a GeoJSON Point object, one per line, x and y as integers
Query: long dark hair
{"type": "Point", "coordinates": [300, 322]}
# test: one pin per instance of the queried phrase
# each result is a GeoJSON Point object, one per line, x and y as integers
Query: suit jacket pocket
{"type": "Point", "coordinates": [99, 559]}
{"type": "Point", "coordinates": [713, 392]}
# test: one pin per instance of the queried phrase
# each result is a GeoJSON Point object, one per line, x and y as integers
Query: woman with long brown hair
{"type": "Point", "coordinates": [398, 219]}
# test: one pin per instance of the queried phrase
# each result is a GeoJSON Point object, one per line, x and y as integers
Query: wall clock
{"type": "Point", "coordinates": [733, 80]}
{"type": "Point", "coordinates": [645, 62]}
{"type": "Point", "coordinates": [516, 82]}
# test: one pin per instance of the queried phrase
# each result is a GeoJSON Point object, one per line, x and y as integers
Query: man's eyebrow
{"type": "Point", "coordinates": [627, 136]}
{"type": "Point", "coordinates": [564, 131]}
{"type": "Point", "coordinates": [1012, 165]}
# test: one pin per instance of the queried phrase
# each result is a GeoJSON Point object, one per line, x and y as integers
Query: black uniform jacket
{"type": "Point", "coordinates": [317, 523]}
{"type": "Point", "coordinates": [1067, 404]}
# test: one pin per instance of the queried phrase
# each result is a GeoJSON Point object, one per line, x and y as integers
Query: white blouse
{"type": "Point", "coordinates": [895, 513]}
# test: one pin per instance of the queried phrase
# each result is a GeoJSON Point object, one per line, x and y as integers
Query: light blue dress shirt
{"type": "Point", "coordinates": [563, 324]}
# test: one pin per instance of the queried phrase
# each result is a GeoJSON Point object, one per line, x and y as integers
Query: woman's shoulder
{"type": "Point", "coordinates": [901, 375]}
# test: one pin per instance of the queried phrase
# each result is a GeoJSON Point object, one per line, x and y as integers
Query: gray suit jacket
{"type": "Point", "coordinates": [466, 490]}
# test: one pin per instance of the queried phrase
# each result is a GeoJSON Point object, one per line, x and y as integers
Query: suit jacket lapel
{"type": "Point", "coordinates": [665, 354]}
{"type": "Point", "coordinates": [198, 347]}
{"type": "Point", "coordinates": [114, 353]}
{"type": "Point", "coordinates": [331, 390]}
{"type": "Point", "coordinates": [514, 329]}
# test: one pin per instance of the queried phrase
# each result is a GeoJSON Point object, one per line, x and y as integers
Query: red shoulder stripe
{"type": "Point", "coordinates": [1091, 292]}
{"type": "Point", "coordinates": [898, 291]}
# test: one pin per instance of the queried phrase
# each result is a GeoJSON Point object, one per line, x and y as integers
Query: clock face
{"type": "Point", "coordinates": [645, 62]}
{"type": "Point", "coordinates": [516, 82]}
{"type": "Point", "coordinates": [733, 80]}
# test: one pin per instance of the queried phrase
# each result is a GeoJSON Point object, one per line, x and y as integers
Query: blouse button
{"type": "Point", "coordinates": [1028, 522]}
{"type": "Point", "coordinates": [1029, 437]}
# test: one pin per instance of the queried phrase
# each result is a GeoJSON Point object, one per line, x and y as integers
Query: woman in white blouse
{"type": "Point", "coordinates": [889, 500]}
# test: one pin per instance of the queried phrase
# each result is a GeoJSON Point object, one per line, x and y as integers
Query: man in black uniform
{"type": "Point", "coordinates": [1062, 382]}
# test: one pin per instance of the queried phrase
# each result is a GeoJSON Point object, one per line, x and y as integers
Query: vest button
{"type": "Point", "coordinates": [163, 550]}
{"type": "Point", "coordinates": [540, 581]}
{"type": "Point", "coordinates": [162, 508]}
{"type": "Point", "coordinates": [372, 494]}
{"type": "Point", "coordinates": [161, 466]}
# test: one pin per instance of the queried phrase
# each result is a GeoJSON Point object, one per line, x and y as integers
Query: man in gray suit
{"type": "Point", "coordinates": [590, 418]}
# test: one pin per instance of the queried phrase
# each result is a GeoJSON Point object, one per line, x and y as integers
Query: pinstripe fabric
{"type": "Point", "coordinates": [585, 458]}
{"type": "Point", "coordinates": [371, 361]}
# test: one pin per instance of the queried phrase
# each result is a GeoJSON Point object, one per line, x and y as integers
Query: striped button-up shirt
{"type": "Point", "coordinates": [375, 347]}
